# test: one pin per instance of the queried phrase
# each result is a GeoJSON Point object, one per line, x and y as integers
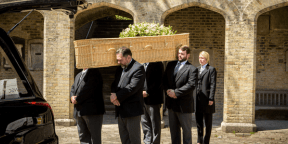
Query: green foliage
{"type": "Point", "coordinates": [234, 132]}
{"type": "Point", "coordinates": [146, 29]}
{"type": "Point", "coordinates": [118, 17]}
{"type": "Point", "coordinates": [252, 133]}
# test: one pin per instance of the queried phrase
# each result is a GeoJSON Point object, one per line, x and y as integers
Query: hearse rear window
{"type": "Point", "coordinates": [11, 85]}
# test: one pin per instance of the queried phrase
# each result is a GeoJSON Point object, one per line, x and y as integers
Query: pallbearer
{"type": "Point", "coordinates": [153, 98]}
{"type": "Point", "coordinates": [127, 96]}
{"type": "Point", "coordinates": [179, 83]}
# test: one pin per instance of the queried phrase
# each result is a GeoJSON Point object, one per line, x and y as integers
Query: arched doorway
{"type": "Point", "coordinates": [271, 99]}
{"type": "Point", "coordinates": [103, 22]}
{"type": "Point", "coordinates": [207, 32]}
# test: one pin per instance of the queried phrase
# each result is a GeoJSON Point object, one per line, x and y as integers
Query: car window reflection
{"type": "Point", "coordinates": [13, 126]}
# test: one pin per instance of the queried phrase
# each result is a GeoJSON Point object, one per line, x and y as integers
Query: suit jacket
{"type": "Point", "coordinates": [129, 90]}
{"type": "Point", "coordinates": [184, 84]}
{"type": "Point", "coordinates": [153, 84]}
{"type": "Point", "coordinates": [206, 89]}
{"type": "Point", "coordinates": [89, 93]}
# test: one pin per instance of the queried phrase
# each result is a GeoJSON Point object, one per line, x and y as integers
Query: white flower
{"type": "Point", "coordinates": [147, 29]}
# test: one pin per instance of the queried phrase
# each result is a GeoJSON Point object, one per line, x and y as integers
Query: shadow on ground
{"type": "Point", "coordinates": [262, 125]}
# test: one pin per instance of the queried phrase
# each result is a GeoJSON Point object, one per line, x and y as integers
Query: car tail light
{"type": "Point", "coordinates": [41, 104]}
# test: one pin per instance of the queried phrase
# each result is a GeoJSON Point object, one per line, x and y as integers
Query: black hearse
{"type": "Point", "coordinates": [25, 116]}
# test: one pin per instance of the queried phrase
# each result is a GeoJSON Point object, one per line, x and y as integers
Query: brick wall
{"type": "Point", "coordinates": [31, 28]}
{"type": "Point", "coordinates": [207, 32]}
{"type": "Point", "coordinates": [272, 44]}
{"type": "Point", "coordinates": [239, 76]}
{"type": "Point", "coordinates": [110, 28]}
{"type": "Point", "coordinates": [58, 75]}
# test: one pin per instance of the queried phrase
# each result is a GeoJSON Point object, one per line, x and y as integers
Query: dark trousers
{"type": "Point", "coordinates": [208, 123]}
{"type": "Point", "coordinates": [151, 124]}
{"type": "Point", "coordinates": [89, 129]}
{"type": "Point", "coordinates": [176, 121]}
{"type": "Point", "coordinates": [129, 130]}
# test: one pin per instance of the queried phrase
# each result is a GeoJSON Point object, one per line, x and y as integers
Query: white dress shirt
{"type": "Point", "coordinates": [145, 66]}
{"type": "Point", "coordinates": [202, 68]}
{"type": "Point", "coordinates": [83, 72]}
{"type": "Point", "coordinates": [182, 64]}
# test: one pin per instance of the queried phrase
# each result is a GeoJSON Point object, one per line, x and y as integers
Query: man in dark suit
{"type": "Point", "coordinates": [87, 97]}
{"type": "Point", "coordinates": [153, 98]}
{"type": "Point", "coordinates": [127, 96]}
{"type": "Point", "coordinates": [179, 82]}
{"type": "Point", "coordinates": [205, 105]}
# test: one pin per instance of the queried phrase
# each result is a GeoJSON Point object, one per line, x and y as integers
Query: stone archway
{"type": "Point", "coordinates": [240, 67]}
{"type": "Point", "coordinates": [271, 98]}
{"type": "Point", "coordinates": [100, 22]}
{"type": "Point", "coordinates": [83, 22]}
{"type": "Point", "coordinates": [207, 32]}
{"type": "Point", "coordinates": [99, 10]}
{"type": "Point", "coordinates": [195, 4]}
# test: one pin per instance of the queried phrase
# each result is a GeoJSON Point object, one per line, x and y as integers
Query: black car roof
{"type": "Point", "coordinates": [19, 5]}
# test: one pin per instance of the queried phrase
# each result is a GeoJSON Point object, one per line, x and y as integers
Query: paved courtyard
{"type": "Point", "coordinates": [269, 132]}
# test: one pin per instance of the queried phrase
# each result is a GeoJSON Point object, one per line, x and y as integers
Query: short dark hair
{"type": "Point", "coordinates": [124, 51]}
{"type": "Point", "coordinates": [185, 48]}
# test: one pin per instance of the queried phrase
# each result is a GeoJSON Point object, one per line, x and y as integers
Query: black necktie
{"type": "Point", "coordinates": [177, 68]}
{"type": "Point", "coordinates": [81, 76]}
{"type": "Point", "coordinates": [145, 83]}
{"type": "Point", "coordinates": [145, 66]}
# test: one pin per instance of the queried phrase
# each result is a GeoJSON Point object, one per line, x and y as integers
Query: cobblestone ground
{"type": "Point", "coordinates": [269, 132]}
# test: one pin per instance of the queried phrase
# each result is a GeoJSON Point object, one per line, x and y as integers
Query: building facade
{"type": "Point", "coordinates": [247, 40]}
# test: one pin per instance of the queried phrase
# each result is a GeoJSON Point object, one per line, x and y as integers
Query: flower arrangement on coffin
{"type": "Point", "coordinates": [149, 42]}
{"type": "Point", "coordinates": [146, 29]}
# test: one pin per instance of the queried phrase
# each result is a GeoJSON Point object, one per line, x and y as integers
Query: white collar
{"type": "Point", "coordinates": [83, 71]}
{"type": "Point", "coordinates": [182, 63]}
{"type": "Point", "coordinates": [204, 66]}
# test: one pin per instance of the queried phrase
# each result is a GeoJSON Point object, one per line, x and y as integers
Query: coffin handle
{"type": "Point", "coordinates": [178, 46]}
{"type": "Point", "coordinates": [111, 49]}
{"type": "Point", "coordinates": [147, 47]}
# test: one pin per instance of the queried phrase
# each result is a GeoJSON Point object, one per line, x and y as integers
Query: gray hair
{"type": "Point", "coordinates": [124, 51]}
